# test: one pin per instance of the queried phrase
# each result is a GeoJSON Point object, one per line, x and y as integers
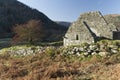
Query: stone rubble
{"type": "Point", "coordinates": [92, 49]}
{"type": "Point", "coordinates": [24, 51]}
{"type": "Point", "coordinates": [83, 50]}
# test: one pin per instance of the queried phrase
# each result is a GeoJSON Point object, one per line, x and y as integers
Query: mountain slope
{"type": "Point", "coordinates": [67, 24]}
{"type": "Point", "coordinates": [13, 12]}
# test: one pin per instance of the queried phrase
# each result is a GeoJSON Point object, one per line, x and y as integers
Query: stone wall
{"type": "Point", "coordinates": [73, 32]}
{"type": "Point", "coordinates": [115, 19]}
{"type": "Point", "coordinates": [102, 48]}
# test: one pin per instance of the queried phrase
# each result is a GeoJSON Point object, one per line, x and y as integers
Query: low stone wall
{"type": "Point", "coordinates": [102, 49]}
{"type": "Point", "coordinates": [25, 50]}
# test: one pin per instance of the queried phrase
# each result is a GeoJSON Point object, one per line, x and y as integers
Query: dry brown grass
{"type": "Point", "coordinates": [43, 67]}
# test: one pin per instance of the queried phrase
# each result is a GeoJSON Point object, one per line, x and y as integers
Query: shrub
{"type": "Point", "coordinates": [31, 32]}
{"type": "Point", "coordinates": [51, 51]}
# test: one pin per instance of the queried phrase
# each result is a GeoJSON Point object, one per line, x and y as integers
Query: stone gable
{"type": "Point", "coordinates": [90, 27]}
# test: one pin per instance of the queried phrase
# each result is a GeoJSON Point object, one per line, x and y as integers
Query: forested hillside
{"type": "Point", "coordinates": [13, 12]}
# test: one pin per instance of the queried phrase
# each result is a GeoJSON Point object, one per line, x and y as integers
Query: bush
{"type": "Point", "coordinates": [31, 32]}
{"type": "Point", "coordinates": [51, 51]}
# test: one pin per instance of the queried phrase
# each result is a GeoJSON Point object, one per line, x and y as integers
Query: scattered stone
{"type": "Point", "coordinates": [114, 51]}
{"type": "Point", "coordinates": [86, 54]}
{"type": "Point", "coordinates": [94, 53]}
{"type": "Point", "coordinates": [103, 53]}
{"type": "Point", "coordinates": [78, 54]}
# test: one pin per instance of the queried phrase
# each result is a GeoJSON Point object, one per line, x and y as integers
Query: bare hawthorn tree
{"type": "Point", "coordinates": [31, 32]}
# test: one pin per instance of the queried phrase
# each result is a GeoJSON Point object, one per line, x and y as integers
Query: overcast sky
{"type": "Point", "coordinates": [70, 10]}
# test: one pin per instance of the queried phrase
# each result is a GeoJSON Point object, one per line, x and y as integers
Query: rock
{"type": "Point", "coordinates": [102, 46]}
{"type": "Point", "coordinates": [78, 54]}
{"type": "Point", "coordinates": [29, 51]}
{"type": "Point", "coordinates": [103, 53]}
{"type": "Point", "coordinates": [89, 51]}
{"type": "Point", "coordinates": [81, 49]}
{"type": "Point", "coordinates": [97, 50]}
{"type": "Point", "coordinates": [72, 52]}
{"type": "Point", "coordinates": [86, 53]}
{"type": "Point", "coordinates": [93, 53]}
{"type": "Point", "coordinates": [75, 49]}
{"type": "Point", "coordinates": [93, 47]}
{"type": "Point", "coordinates": [114, 51]}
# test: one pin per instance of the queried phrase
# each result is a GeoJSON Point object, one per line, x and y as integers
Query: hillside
{"type": "Point", "coordinates": [67, 24]}
{"type": "Point", "coordinates": [13, 12]}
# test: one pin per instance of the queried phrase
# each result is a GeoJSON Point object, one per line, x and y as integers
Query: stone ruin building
{"type": "Point", "coordinates": [90, 27]}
